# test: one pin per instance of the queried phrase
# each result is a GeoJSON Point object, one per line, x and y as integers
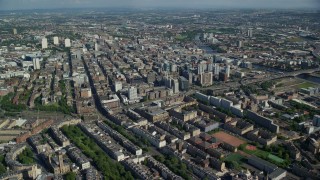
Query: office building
{"type": "Point", "coordinates": [167, 82]}
{"type": "Point", "coordinates": [36, 63]}
{"type": "Point", "coordinates": [67, 43]}
{"type": "Point", "coordinates": [175, 86]}
{"type": "Point", "coordinates": [44, 43]}
{"type": "Point", "coordinates": [183, 84]}
{"type": "Point", "coordinates": [132, 93]}
{"type": "Point", "coordinates": [55, 40]}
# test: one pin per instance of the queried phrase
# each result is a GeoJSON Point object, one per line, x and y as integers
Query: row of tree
{"type": "Point", "coordinates": [175, 165]}
{"type": "Point", "coordinates": [109, 168]}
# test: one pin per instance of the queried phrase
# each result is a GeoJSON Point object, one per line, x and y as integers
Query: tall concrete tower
{"type": "Point", "coordinates": [250, 32]}
{"type": "Point", "coordinates": [67, 42]}
{"type": "Point", "coordinates": [44, 43]}
{"type": "Point", "coordinates": [56, 40]}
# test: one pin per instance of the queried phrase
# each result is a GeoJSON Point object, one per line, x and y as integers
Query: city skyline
{"type": "Point", "coordinates": [207, 4]}
{"type": "Point", "coordinates": [159, 90]}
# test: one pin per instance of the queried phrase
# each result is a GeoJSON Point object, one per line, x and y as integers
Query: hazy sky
{"type": "Point", "coordinates": [45, 4]}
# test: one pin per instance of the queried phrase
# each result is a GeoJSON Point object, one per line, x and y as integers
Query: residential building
{"type": "Point", "coordinates": [44, 43]}
{"type": "Point", "coordinates": [67, 42]}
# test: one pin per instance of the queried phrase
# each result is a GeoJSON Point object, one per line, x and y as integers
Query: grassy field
{"type": "Point", "coordinates": [295, 39]}
{"type": "Point", "coordinates": [258, 152]}
{"type": "Point", "coordinates": [235, 157]}
{"type": "Point", "coordinates": [305, 85]}
{"type": "Point", "coordinates": [180, 37]}
{"type": "Point", "coordinates": [275, 158]}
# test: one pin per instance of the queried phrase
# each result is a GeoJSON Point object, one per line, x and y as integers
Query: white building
{"type": "Point", "coordinates": [117, 86]}
{"type": "Point", "coordinates": [96, 47]}
{"type": "Point", "coordinates": [202, 67]}
{"type": "Point", "coordinates": [44, 43]}
{"type": "Point", "coordinates": [228, 70]}
{"type": "Point", "coordinates": [67, 42]}
{"type": "Point", "coordinates": [132, 93]}
{"type": "Point", "coordinates": [56, 40]}
{"type": "Point", "coordinates": [216, 69]}
{"type": "Point", "coordinates": [173, 68]}
{"type": "Point", "coordinates": [15, 31]}
{"type": "Point", "coordinates": [36, 63]}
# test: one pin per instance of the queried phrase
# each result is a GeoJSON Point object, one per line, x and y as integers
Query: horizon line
{"type": "Point", "coordinates": [160, 8]}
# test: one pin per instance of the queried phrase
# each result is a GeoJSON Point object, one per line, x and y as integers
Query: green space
{"type": "Point", "coordinates": [70, 176]}
{"type": "Point", "coordinates": [299, 107]}
{"type": "Point", "coordinates": [186, 36]}
{"type": "Point", "coordinates": [218, 48]}
{"type": "Point", "coordinates": [62, 85]}
{"type": "Point", "coordinates": [234, 161]}
{"type": "Point", "coordinates": [26, 157]}
{"type": "Point", "coordinates": [258, 152]}
{"type": "Point", "coordinates": [295, 39]}
{"type": "Point", "coordinates": [267, 85]}
{"type": "Point", "coordinates": [25, 95]}
{"type": "Point", "coordinates": [235, 157]}
{"type": "Point", "coordinates": [215, 130]}
{"type": "Point", "coordinates": [275, 154]}
{"type": "Point", "coordinates": [61, 106]}
{"type": "Point", "coordinates": [8, 107]}
{"type": "Point", "coordinates": [305, 85]}
{"type": "Point", "coordinates": [109, 168]}
{"type": "Point", "coordinates": [225, 111]}
{"type": "Point", "coordinates": [249, 89]}
{"type": "Point", "coordinates": [180, 37]}
{"type": "Point", "coordinates": [3, 168]}
{"type": "Point", "coordinates": [275, 158]}
{"type": "Point", "coordinates": [175, 165]}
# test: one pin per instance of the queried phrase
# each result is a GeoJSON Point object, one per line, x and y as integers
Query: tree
{"type": "Point", "coordinates": [26, 157]}
{"type": "Point", "coordinates": [286, 156]}
{"type": "Point", "coordinates": [70, 176]}
{"type": "Point", "coordinates": [280, 153]}
{"type": "Point", "coordinates": [232, 164]}
{"type": "Point", "coordinates": [2, 169]}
